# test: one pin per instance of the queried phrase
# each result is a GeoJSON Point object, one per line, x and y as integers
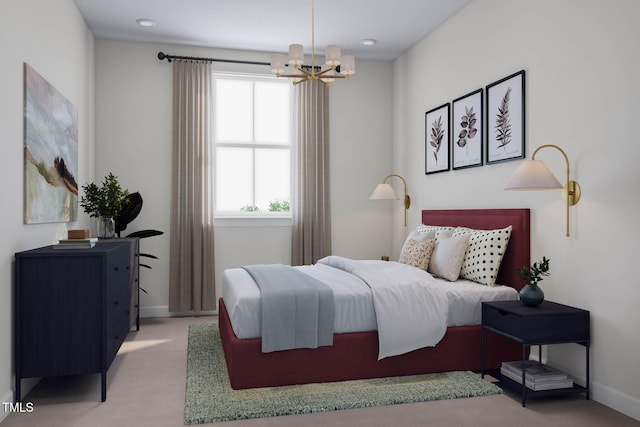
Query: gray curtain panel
{"type": "Point", "coordinates": [191, 286]}
{"type": "Point", "coordinates": [311, 207]}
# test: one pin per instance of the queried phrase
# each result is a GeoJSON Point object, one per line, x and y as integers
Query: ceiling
{"type": "Point", "coordinates": [271, 25]}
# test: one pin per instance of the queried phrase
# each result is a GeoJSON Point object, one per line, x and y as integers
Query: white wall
{"type": "Point", "coordinates": [133, 139]}
{"type": "Point", "coordinates": [57, 44]}
{"type": "Point", "coordinates": [582, 92]}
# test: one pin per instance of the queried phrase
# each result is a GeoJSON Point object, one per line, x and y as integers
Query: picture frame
{"type": "Point", "coordinates": [437, 142]}
{"type": "Point", "coordinates": [505, 123]}
{"type": "Point", "coordinates": [468, 130]}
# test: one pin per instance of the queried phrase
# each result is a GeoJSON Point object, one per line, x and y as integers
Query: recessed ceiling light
{"type": "Point", "coordinates": [146, 22]}
{"type": "Point", "coordinates": [368, 42]}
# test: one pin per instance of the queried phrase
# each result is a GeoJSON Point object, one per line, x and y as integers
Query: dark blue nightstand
{"type": "Point", "coordinates": [549, 323]}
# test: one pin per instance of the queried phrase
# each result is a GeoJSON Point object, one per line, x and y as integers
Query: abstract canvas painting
{"type": "Point", "coordinates": [50, 152]}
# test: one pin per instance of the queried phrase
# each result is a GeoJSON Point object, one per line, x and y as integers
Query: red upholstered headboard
{"type": "Point", "coordinates": [518, 250]}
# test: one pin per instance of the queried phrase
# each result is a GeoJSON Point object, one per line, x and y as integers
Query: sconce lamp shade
{"type": "Point", "coordinates": [533, 175]}
{"type": "Point", "coordinates": [383, 192]}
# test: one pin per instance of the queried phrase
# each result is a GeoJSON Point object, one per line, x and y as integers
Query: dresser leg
{"type": "Point", "coordinates": [104, 385]}
{"type": "Point", "coordinates": [18, 392]}
{"type": "Point", "coordinates": [587, 385]}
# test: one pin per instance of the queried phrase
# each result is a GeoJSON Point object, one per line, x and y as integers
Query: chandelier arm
{"type": "Point", "coordinates": [325, 71]}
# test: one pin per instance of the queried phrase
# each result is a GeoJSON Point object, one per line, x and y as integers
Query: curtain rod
{"type": "Point", "coordinates": [169, 58]}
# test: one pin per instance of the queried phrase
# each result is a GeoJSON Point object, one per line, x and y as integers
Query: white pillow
{"type": "Point", "coordinates": [484, 253]}
{"type": "Point", "coordinates": [417, 253]}
{"type": "Point", "coordinates": [447, 256]}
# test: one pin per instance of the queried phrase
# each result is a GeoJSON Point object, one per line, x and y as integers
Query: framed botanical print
{"type": "Point", "coordinates": [468, 131]}
{"type": "Point", "coordinates": [505, 119]}
{"type": "Point", "coordinates": [437, 140]}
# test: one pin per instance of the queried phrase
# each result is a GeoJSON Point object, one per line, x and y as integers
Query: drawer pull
{"type": "Point", "coordinates": [116, 302]}
{"type": "Point", "coordinates": [503, 313]}
{"type": "Point", "coordinates": [115, 269]}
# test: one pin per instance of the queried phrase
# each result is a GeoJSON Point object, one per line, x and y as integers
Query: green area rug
{"type": "Point", "coordinates": [210, 398]}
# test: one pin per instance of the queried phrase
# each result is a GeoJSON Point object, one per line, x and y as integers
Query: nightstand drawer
{"type": "Point", "coordinates": [548, 323]}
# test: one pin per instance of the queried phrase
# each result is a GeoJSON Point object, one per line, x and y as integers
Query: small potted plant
{"type": "Point", "coordinates": [105, 203]}
{"type": "Point", "coordinates": [531, 295]}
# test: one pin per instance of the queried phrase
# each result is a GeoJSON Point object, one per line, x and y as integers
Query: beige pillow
{"type": "Point", "coordinates": [417, 254]}
{"type": "Point", "coordinates": [484, 253]}
{"type": "Point", "coordinates": [447, 256]}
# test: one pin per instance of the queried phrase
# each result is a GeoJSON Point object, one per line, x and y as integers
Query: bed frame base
{"type": "Point", "coordinates": [354, 356]}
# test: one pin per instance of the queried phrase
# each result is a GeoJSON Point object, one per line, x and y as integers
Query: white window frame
{"type": "Point", "coordinates": [260, 218]}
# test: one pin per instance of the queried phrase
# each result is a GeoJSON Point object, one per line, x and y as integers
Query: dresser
{"type": "Point", "coordinates": [72, 310]}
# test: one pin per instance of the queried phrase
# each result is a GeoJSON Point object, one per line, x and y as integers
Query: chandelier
{"type": "Point", "coordinates": [335, 66]}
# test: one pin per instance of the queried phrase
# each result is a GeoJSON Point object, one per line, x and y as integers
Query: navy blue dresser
{"type": "Point", "coordinates": [72, 310]}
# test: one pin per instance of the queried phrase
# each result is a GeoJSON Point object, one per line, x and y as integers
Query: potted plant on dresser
{"type": "Point", "coordinates": [104, 203]}
{"type": "Point", "coordinates": [531, 295]}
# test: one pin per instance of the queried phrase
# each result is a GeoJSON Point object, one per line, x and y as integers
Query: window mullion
{"type": "Point", "coordinates": [253, 141]}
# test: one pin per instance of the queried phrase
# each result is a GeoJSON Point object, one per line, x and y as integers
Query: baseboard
{"type": "Point", "coordinates": [614, 399]}
{"type": "Point", "coordinates": [163, 311]}
{"type": "Point", "coordinates": [617, 400]}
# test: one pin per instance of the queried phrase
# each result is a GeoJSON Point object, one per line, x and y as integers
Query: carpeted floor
{"type": "Point", "coordinates": [209, 397]}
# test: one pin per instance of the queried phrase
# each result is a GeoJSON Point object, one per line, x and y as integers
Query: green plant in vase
{"type": "Point", "coordinates": [104, 202]}
{"type": "Point", "coordinates": [531, 295]}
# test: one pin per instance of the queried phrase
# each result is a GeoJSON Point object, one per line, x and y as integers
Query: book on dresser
{"type": "Point", "coordinates": [538, 376]}
{"type": "Point", "coordinates": [76, 243]}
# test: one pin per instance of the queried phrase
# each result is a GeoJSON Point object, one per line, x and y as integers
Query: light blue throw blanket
{"type": "Point", "coordinates": [297, 310]}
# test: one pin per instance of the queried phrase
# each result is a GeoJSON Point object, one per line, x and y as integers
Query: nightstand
{"type": "Point", "coordinates": [549, 323]}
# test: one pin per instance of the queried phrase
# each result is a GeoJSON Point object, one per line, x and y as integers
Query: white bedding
{"type": "Point", "coordinates": [354, 304]}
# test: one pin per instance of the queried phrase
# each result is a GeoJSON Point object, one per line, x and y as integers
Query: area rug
{"type": "Point", "coordinates": [210, 398]}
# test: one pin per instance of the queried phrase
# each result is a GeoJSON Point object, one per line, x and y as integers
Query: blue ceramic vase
{"type": "Point", "coordinates": [531, 295]}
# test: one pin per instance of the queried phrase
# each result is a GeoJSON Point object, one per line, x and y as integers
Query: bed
{"type": "Point", "coordinates": [354, 355]}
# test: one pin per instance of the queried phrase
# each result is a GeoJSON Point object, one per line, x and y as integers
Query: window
{"type": "Point", "coordinates": [252, 141]}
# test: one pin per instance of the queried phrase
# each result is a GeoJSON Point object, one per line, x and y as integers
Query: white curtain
{"type": "Point", "coordinates": [191, 286]}
{"type": "Point", "coordinates": [311, 207]}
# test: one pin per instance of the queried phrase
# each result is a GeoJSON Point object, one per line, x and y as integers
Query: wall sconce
{"type": "Point", "coordinates": [535, 175]}
{"type": "Point", "coordinates": [385, 192]}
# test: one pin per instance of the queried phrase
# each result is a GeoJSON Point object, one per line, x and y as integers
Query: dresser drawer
{"type": "Point", "coordinates": [547, 323]}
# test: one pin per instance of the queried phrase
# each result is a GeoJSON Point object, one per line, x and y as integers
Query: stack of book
{"type": "Point", "coordinates": [76, 243]}
{"type": "Point", "coordinates": [538, 376]}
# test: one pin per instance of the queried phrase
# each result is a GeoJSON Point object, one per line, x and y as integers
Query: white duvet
{"type": "Point", "coordinates": [409, 308]}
